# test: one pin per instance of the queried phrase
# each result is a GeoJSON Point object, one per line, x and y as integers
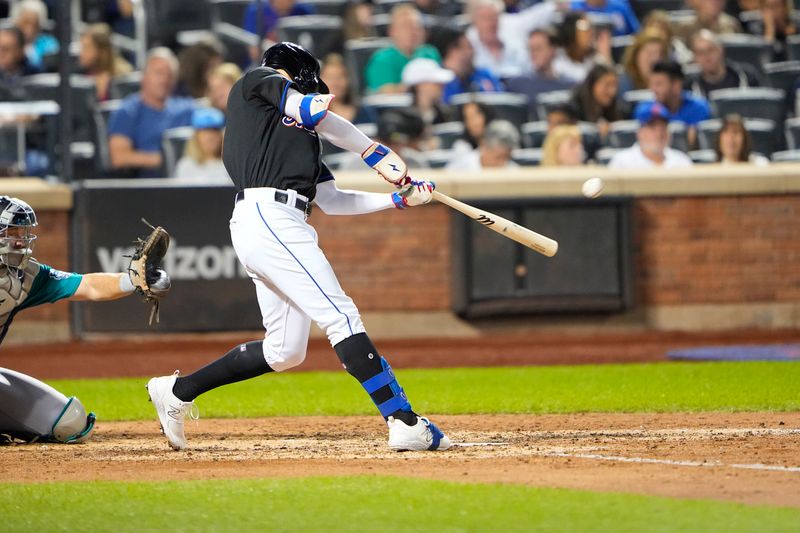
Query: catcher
{"type": "Point", "coordinates": [29, 409]}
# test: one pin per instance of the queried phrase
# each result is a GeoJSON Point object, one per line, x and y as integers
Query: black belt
{"type": "Point", "coordinates": [283, 197]}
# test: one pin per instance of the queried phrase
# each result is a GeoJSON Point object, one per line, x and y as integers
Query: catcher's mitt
{"type": "Point", "coordinates": [145, 272]}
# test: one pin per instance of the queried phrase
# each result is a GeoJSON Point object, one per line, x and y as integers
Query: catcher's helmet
{"type": "Point", "coordinates": [17, 221]}
{"type": "Point", "coordinates": [301, 65]}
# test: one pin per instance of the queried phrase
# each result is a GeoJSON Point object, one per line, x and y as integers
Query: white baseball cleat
{"type": "Point", "coordinates": [424, 435]}
{"type": "Point", "coordinates": [171, 410]}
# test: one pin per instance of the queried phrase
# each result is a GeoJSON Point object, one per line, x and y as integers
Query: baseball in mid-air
{"type": "Point", "coordinates": [592, 188]}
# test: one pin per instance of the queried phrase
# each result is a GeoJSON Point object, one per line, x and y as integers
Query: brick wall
{"type": "Point", "coordinates": [730, 249]}
{"type": "Point", "coordinates": [392, 259]}
{"type": "Point", "coordinates": [52, 248]}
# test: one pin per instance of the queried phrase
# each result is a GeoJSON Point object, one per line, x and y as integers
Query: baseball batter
{"type": "Point", "coordinates": [272, 149]}
{"type": "Point", "coordinates": [29, 409]}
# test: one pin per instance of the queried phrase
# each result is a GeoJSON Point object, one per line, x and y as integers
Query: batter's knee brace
{"type": "Point", "coordinates": [361, 359]}
{"type": "Point", "coordinates": [73, 425]}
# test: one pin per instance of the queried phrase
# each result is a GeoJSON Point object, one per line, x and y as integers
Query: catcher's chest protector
{"type": "Point", "coordinates": [14, 289]}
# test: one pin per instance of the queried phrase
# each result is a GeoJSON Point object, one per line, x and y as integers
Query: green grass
{"type": "Point", "coordinates": [364, 503]}
{"type": "Point", "coordinates": [664, 387]}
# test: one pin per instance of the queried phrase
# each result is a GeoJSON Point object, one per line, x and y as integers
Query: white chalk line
{"type": "Point", "coordinates": [471, 444]}
{"type": "Point", "coordinates": [647, 460]}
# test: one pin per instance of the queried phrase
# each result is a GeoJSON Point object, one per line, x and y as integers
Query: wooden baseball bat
{"type": "Point", "coordinates": [506, 228]}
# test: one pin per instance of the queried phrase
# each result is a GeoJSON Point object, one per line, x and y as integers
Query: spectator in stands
{"type": "Point", "coordinates": [272, 11]}
{"type": "Point", "coordinates": [13, 63]}
{"type": "Point", "coordinates": [196, 63]}
{"type": "Point", "coordinates": [334, 72]}
{"type": "Point", "coordinates": [475, 117]}
{"type": "Point", "coordinates": [648, 48]}
{"type": "Point", "coordinates": [659, 20]}
{"type": "Point", "coordinates": [357, 23]}
{"type": "Point", "coordinates": [666, 82]}
{"type": "Point", "coordinates": [202, 158]}
{"type": "Point", "coordinates": [135, 129]}
{"type": "Point", "coordinates": [580, 48]}
{"type": "Point", "coordinates": [220, 82]}
{"type": "Point", "coordinates": [30, 16]}
{"type": "Point", "coordinates": [426, 80]}
{"type": "Point", "coordinates": [563, 146]}
{"type": "Point", "coordinates": [652, 143]}
{"type": "Point", "coordinates": [708, 14]}
{"type": "Point", "coordinates": [99, 59]}
{"type": "Point", "coordinates": [404, 131]}
{"type": "Point", "coordinates": [499, 38]}
{"type": "Point", "coordinates": [715, 72]}
{"type": "Point", "coordinates": [543, 76]}
{"type": "Point", "coordinates": [438, 8]}
{"type": "Point", "coordinates": [385, 67]}
{"type": "Point", "coordinates": [778, 25]}
{"type": "Point", "coordinates": [621, 15]}
{"type": "Point", "coordinates": [498, 142]}
{"type": "Point", "coordinates": [120, 16]}
{"type": "Point", "coordinates": [734, 145]}
{"type": "Point", "coordinates": [595, 100]}
{"type": "Point", "coordinates": [457, 54]}
{"type": "Point", "coordinates": [561, 115]}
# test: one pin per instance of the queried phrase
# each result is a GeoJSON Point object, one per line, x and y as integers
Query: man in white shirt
{"type": "Point", "coordinates": [499, 38]}
{"type": "Point", "coordinates": [652, 147]}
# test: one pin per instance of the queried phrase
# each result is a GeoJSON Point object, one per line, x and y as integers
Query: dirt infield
{"type": "Point", "coordinates": [748, 458]}
{"type": "Point", "coordinates": [154, 355]}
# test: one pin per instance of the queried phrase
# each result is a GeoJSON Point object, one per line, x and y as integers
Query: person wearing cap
{"type": "Point", "coordinates": [652, 143]}
{"type": "Point", "coordinates": [385, 68]}
{"type": "Point", "coordinates": [666, 82]}
{"type": "Point", "coordinates": [202, 158]}
{"type": "Point", "coordinates": [499, 141]}
{"type": "Point", "coordinates": [426, 80]}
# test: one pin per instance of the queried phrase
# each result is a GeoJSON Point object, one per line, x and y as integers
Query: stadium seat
{"type": "Point", "coordinates": [84, 100]}
{"type": "Point", "coordinates": [622, 134]}
{"type": "Point", "coordinates": [792, 132]}
{"type": "Point", "coordinates": [376, 104]}
{"type": "Point", "coordinates": [638, 95]}
{"type": "Point", "coordinates": [380, 22]}
{"type": "Point", "coordinates": [643, 7]}
{"type": "Point", "coordinates": [386, 6]}
{"type": "Point", "coordinates": [173, 142]}
{"type": "Point", "coordinates": [440, 158]}
{"type": "Point", "coordinates": [793, 47]}
{"type": "Point", "coordinates": [678, 136]}
{"type": "Point", "coordinates": [527, 157]}
{"type": "Point", "coordinates": [327, 7]}
{"type": "Point", "coordinates": [227, 17]}
{"type": "Point", "coordinates": [506, 106]}
{"type": "Point", "coordinates": [762, 133]}
{"type": "Point", "coordinates": [101, 117]}
{"type": "Point", "coordinates": [703, 156]}
{"type": "Point", "coordinates": [618, 46]}
{"type": "Point", "coordinates": [786, 156]}
{"type": "Point", "coordinates": [357, 53]}
{"type": "Point", "coordinates": [749, 49]}
{"type": "Point", "coordinates": [317, 33]}
{"type": "Point", "coordinates": [447, 133]}
{"type": "Point", "coordinates": [549, 100]}
{"type": "Point", "coordinates": [751, 102]}
{"type": "Point", "coordinates": [782, 75]}
{"type": "Point", "coordinates": [125, 85]}
{"type": "Point", "coordinates": [533, 134]}
{"type": "Point", "coordinates": [335, 161]}
{"type": "Point", "coordinates": [604, 155]}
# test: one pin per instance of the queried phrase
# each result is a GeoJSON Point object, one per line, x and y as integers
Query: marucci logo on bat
{"type": "Point", "coordinates": [483, 219]}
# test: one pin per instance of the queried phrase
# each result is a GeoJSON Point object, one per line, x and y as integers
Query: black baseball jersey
{"type": "Point", "coordinates": [265, 148]}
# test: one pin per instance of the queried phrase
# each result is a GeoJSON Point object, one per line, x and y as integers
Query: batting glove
{"type": "Point", "coordinates": [386, 162]}
{"type": "Point", "coordinates": [415, 192]}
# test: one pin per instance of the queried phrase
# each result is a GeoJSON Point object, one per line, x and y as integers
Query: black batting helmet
{"type": "Point", "coordinates": [301, 65]}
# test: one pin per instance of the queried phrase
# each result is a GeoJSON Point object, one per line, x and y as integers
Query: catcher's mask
{"type": "Point", "coordinates": [301, 65]}
{"type": "Point", "coordinates": [17, 221]}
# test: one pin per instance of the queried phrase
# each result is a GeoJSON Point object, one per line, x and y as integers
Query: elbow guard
{"type": "Point", "coordinates": [313, 108]}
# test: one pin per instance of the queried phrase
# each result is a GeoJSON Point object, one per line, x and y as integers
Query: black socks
{"type": "Point", "coordinates": [362, 361]}
{"type": "Point", "coordinates": [242, 362]}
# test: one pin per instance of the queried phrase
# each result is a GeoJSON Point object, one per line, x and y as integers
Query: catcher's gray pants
{"type": "Point", "coordinates": [28, 407]}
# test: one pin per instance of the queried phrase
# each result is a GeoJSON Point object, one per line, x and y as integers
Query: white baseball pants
{"type": "Point", "coordinates": [294, 282]}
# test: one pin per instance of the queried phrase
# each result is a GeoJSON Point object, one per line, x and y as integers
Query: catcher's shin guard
{"type": "Point", "coordinates": [362, 361]}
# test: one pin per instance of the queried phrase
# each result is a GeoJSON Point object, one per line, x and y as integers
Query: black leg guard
{"type": "Point", "coordinates": [362, 361]}
{"type": "Point", "coordinates": [242, 362]}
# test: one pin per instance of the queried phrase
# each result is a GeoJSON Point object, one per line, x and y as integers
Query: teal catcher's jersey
{"type": "Point", "coordinates": [37, 284]}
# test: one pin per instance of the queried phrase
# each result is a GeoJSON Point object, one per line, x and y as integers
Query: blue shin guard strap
{"type": "Point", "coordinates": [398, 401]}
